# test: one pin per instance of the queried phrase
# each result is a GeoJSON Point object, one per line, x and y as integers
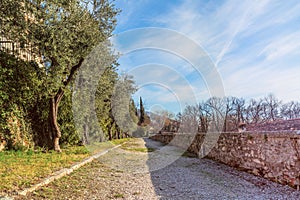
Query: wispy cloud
{"type": "Point", "coordinates": [241, 40]}
{"type": "Point", "coordinates": [282, 47]}
{"type": "Point", "coordinates": [254, 44]}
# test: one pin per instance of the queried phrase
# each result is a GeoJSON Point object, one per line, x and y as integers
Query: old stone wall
{"type": "Point", "coordinates": [275, 156]}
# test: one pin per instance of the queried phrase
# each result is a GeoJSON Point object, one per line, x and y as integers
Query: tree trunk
{"type": "Point", "coordinates": [85, 134]}
{"type": "Point", "coordinates": [56, 134]}
{"type": "Point", "coordinates": [54, 131]}
{"type": "Point", "coordinates": [110, 134]}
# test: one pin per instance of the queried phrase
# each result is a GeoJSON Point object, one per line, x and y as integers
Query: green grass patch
{"type": "Point", "coordinates": [121, 141]}
{"type": "Point", "coordinates": [140, 149]}
{"type": "Point", "coordinates": [148, 149]}
{"type": "Point", "coordinates": [135, 145]}
{"type": "Point", "coordinates": [118, 195]}
{"type": "Point", "coordinates": [19, 170]}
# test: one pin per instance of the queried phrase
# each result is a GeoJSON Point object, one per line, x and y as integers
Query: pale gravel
{"type": "Point", "coordinates": [127, 174]}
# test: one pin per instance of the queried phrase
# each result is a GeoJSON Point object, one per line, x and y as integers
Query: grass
{"type": "Point", "coordinates": [119, 195]}
{"type": "Point", "coordinates": [141, 149]}
{"type": "Point", "coordinates": [120, 141]}
{"type": "Point", "coordinates": [133, 146]}
{"type": "Point", "coordinates": [22, 169]}
{"type": "Point", "coordinates": [19, 170]}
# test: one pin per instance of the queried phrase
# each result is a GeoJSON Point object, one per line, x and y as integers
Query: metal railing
{"type": "Point", "coordinates": [24, 52]}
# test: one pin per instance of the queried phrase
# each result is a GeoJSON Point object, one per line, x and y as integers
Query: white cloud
{"type": "Point", "coordinates": [255, 44]}
{"type": "Point", "coordinates": [280, 47]}
{"type": "Point", "coordinates": [226, 35]}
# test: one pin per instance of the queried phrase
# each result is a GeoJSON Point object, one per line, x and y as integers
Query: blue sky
{"type": "Point", "coordinates": [254, 46]}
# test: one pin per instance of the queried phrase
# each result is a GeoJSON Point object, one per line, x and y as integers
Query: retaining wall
{"type": "Point", "coordinates": [274, 156]}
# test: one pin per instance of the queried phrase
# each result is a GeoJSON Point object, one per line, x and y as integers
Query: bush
{"type": "Point", "coordinates": [18, 86]}
{"type": "Point", "coordinates": [19, 133]}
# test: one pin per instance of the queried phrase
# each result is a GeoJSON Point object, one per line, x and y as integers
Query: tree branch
{"type": "Point", "coordinates": [72, 72]}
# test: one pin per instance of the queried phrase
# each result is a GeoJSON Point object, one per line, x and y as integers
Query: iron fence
{"type": "Point", "coordinates": [24, 52]}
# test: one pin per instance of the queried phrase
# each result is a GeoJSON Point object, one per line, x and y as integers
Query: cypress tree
{"type": "Point", "coordinates": [142, 112]}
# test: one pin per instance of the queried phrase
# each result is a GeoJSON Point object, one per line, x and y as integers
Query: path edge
{"type": "Point", "coordinates": [65, 171]}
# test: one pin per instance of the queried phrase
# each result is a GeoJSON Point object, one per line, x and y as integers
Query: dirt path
{"type": "Point", "coordinates": [145, 169]}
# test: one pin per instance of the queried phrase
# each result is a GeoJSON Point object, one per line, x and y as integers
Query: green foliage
{"type": "Point", "coordinates": [124, 88]}
{"type": "Point", "coordinates": [70, 136]}
{"type": "Point", "coordinates": [61, 34]}
{"type": "Point", "coordinates": [18, 131]}
{"type": "Point", "coordinates": [62, 31]}
{"type": "Point", "coordinates": [103, 102]}
{"type": "Point", "coordinates": [133, 111]}
{"type": "Point", "coordinates": [142, 112]}
{"type": "Point", "coordinates": [144, 119]}
{"type": "Point", "coordinates": [113, 103]}
{"type": "Point", "coordinates": [19, 86]}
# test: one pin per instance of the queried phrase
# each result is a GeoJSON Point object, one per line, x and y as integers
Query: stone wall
{"type": "Point", "coordinates": [275, 156]}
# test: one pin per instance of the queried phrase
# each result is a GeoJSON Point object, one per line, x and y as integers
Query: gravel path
{"type": "Point", "coordinates": [145, 169]}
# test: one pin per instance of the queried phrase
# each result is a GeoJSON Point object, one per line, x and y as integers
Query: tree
{"type": "Point", "coordinates": [239, 109]}
{"type": "Point", "coordinates": [103, 97]}
{"type": "Point", "coordinates": [217, 113]}
{"type": "Point", "coordinates": [290, 110]}
{"type": "Point", "coordinates": [62, 33]}
{"type": "Point", "coordinates": [133, 111]}
{"type": "Point", "coordinates": [204, 117]}
{"type": "Point", "coordinates": [254, 111]}
{"type": "Point", "coordinates": [271, 107]}
{"type": "Point", "coordinates": [142, 116]}
{"type": "Point", "coordinates": [121, 105]}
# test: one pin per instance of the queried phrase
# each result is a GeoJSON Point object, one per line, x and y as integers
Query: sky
{"type": "Point", "coordinates": [181, 52]}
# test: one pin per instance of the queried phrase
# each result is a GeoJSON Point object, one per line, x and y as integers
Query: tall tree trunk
{"type": "Point", "coordinates": [110, 134]}
{"type": "Point", "coordinates": [85, 134]}
{"type": "Point", "coordinates": [54, 131]}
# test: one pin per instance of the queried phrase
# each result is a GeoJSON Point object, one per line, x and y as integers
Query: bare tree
{"type": "Point", "coordinates": [271, 107]}
{"type": "Point", "coordinates": [204, 117]}
{"type": "Point", "coordinates": [216, 109]}
{"type": "Point", "coordinates": [286, 110]}
{"type": "Point", "coordinates": [189, 119]}
{"type": "Point", "coordinates": [290, 110]}
{"type": "Point", "coordinates": [254, 111]}
{"type": "Point", "coordinates": [238, 113]}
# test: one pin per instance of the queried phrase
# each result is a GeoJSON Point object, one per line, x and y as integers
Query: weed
{"type": "Point", "coordinates": [118, 195]}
